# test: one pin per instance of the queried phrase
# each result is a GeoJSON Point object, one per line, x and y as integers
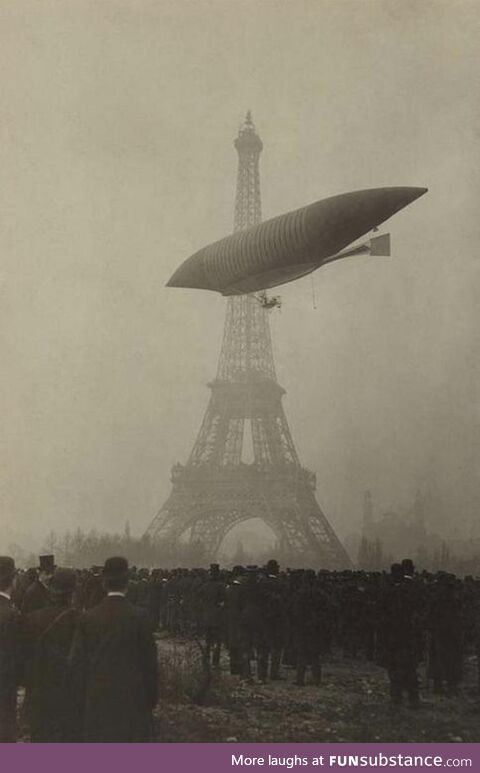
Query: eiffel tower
{"type": "Point", "coordinates": [216, 490]}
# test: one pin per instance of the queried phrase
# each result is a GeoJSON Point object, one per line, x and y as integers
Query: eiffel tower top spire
{"type": "Point", "coordinates": [248, 140]}
{"type": "Point", "coordinates": [246, 353]}
{"type": "Point", "coordinates": [248, 208]}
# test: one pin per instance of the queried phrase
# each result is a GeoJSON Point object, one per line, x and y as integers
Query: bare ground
{"type": "Point", "coordinates": [351, 705]}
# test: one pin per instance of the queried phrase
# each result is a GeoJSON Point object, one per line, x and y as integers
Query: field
{"type": "Point", "coordinates": [352, 704]}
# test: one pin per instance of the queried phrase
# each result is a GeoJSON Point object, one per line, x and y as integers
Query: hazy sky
{"type": "Point", "coordinates": [117, 119]}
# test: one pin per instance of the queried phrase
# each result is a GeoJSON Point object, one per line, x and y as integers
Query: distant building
{"type": "Point", "coordinates": [394, 535]}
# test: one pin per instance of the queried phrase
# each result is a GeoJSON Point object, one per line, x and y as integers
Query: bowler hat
{"type": "Point", "coordinates": [47, 564]}
{"type": "Point", "coordinates": [114, 567]}
{"type": "Point", "coordinates": [272, 566]}
{"type": "Point", "coordinates": [7, 567]}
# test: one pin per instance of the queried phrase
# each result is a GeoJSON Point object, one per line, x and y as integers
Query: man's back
{"type": "Point", "coordinates": [47, 636]}
{"type": "Point", "coordinates": [8, 670]}
{"type": "Point", "coordinates": [114, 671]}
{"type": "Point", "coordinates": [36, 597]}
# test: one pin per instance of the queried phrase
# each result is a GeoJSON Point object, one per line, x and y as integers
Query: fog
{"type": "Point", "coordinates": [117, 162]}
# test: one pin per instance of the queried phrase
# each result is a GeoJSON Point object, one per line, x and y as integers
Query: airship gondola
{"type": "Point", "coordinates": [292, 245]}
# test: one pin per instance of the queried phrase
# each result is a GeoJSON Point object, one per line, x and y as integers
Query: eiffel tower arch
{"type": "Point", "coordinates": [216, 489]}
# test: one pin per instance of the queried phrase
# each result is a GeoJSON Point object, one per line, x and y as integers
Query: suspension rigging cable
{"type": "Point", "coordinates": [314, 302]}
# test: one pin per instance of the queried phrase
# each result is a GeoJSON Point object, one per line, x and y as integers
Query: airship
{"type": "Point", "coordinates": [294, 244]}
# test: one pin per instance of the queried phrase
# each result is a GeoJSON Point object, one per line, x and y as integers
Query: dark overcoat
{"type": "Point", "coordinates": [400, 640]}
{"type": "Point", "coordinates": [311, 622]}
{"type": "Point", "coordinates": [47, 636]}
{"type": "Point", "coordinates": [8, 670]}
{"type": "Point", "coordinates": [36, 597]}
{"type": "Point", "coordinates": [272, 618]}
{"type": "Point", "coordinates": [113, 666]}
{"type": "Point", "coordinates": [93, 591]}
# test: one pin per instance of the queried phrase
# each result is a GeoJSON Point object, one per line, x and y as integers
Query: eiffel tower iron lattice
{"type": "Point", "coordinates": [216, 490]}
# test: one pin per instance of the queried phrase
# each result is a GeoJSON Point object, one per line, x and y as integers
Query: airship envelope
{"type": "Point", "coordinates": [294, 244]}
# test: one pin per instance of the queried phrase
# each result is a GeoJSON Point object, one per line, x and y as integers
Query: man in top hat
{"type": "Point", "coordinates": [271, 623]}
{"type": "Point", "coordinates": [37, 596]}
{"type": "Point", "coordinates": [46, 638]}
{"type": "Point", "coordinates": [113, 665]}
{"type": "Point", "coordinates": [234, 598]}
{"type": "Point", "coordinates": [214, 611]}
{"type": "Point", "coordinates": [400, 636]}
{"type": "Point", "coordinates": [310, 617]}
{"type": "Point", "coordinates": [445, 619]}
{"type": "Point", "coordinates": [8, 653]}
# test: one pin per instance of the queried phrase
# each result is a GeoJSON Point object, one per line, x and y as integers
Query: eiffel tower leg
{"type": "Point", "coordinates": [308, 539]}
{"type": "Point", "coordinates": [209, 530]}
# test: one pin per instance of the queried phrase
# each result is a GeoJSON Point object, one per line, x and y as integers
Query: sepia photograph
{"type": "Point", "coordinates": [240, 405]}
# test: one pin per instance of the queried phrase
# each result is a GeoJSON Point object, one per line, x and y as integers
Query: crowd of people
{"type": "Point", "coordinates": [82, 642]}
{"type": "Point", "coordinates": [89, 672]}
{"type": "Point", "coordinates": [297, 617]}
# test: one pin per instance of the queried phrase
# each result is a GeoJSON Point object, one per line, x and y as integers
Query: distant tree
{"type": "Point", "coordinates": [377, 562]}
{"type": "Point", "coordinates": [50, 544]}
{"type": "Point", "coordinates": [65, 548]}
{"type": "Point", "coordinates": [445, 556]}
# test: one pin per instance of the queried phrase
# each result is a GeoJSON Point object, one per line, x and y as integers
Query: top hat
{"type": "Point", "coordinates": [272, 566]}
{"type": "Point", "coordinates": [408, 567]}
{"type": "Point", "coordinates": [47, 564]}
{"type": "Point", "coordinates": [396, 571]}
{"type": "Point", "coordinates": [115, 567]}
{"type": "Point", "coordinates": [7, 567]}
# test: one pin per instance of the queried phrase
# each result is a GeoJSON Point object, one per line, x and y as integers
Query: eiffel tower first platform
{"type": "Point", "coordinates": [215, 490]}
